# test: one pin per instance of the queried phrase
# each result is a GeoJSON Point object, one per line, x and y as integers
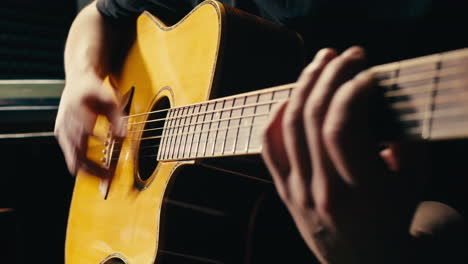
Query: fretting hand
{"type": "Point", "coordinates": [327, 168]}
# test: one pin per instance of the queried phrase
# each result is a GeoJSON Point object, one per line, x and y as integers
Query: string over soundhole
{"type": "Point", "coordinates": [150, 141]}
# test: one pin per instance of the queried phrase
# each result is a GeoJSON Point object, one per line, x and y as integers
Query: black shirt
{"type": "Point", "coordinates": [389, 29]}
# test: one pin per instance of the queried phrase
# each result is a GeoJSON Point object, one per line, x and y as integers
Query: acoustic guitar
{"type": "Point", "coordinates": [194, 99]}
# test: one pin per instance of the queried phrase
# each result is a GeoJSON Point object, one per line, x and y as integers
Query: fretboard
{"type": "Point", "coordinates": [222, 127]}
{"type": "Point", "coordinates": [426, 97]}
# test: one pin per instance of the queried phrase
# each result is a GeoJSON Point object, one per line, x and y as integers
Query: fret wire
{"type": "Point", "coordinates": [165, 150]}
{"type": "Point", "coordinates": [173, 133]}
{"type": "Point", "coordinates": [209, 126]}
{"type": "Point", "coordinates": [418, 116]}
{"type": "Point", "coordinates": [417, 89]}
{"type": "Point", "coordinates": [245, 126]}
{"type": "Point", "coordinates": [201, 131]}
{"type": "Point", "coordinates": [186, 127]}
{"type": "Point", "coordinates": [191, 138]}
{"type": "Point", "coordinates": [161, 150]}
{"type": "Point", "coordinates": [276, 101]}
{"type": "Point", "coordinates": [413, 130]}
{"type": "Point", "coordinates": [186, 145]}
{"type": "Point", "coordinates": [178, 121]}
{"type": "Point", "coordinates": [266, 90]}
{"type": "Point", "coordinates": [193, 122]}
{"type": "Point", "coordinates": [236, 138]}
{"type": "Point", "coordinates": [180, 132]}
{"type": "Point", "coordinates": [182, 142]}
{"type": "Point", "coordinates": [272, 97]}
{"type": "Point", "coordinates": [169, 133]}
{"type": "Point", "coordinates": [422, 87]}
{"type": "Point", "coordinates": [195, 131]}
{"type": "Point", "coordinates": [176, 131]}
{"type": "Point", "coordinates": [423, 77]}
{"type": "Point", "coordinates": [202, 117]}
{"type": "Point", "coordinates": [219, 123]}
{"type": "Point", "coordinates": [445, 64]}
{"type": "Point", "coordinates": [418, 102]}
{"type": "Point", "coordinates": [181, 129]}
{"type": "Point", "coordinates": [203, 122]}
{"type": "Point", "coordinates": [227, 127]}
{"type": "Point", "coordinates": [430, 107]}
{"type": "Point", "coordinates": [415, 134]}
{"type": "Point", "coordinates": [173, 137]}
{"type": "Point", "coordinates": [253, 121]}
{"type": "Point", "coordinates": [207, 112]}
{"type": "Point", "coordinates": [256, 107]}
{"type": "Point", "coordinates": [163, 140]}
{"type": "Point", "coordinates": [437, 114]}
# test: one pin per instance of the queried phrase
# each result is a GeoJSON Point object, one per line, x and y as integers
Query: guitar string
{"type": "Point", "coordinates": [173, 137]}
{"type": "Point", "coordinates": [437, 115]}
{"type": "Point", "coordinates": [177, 154]}
{"type": "Point", "coordinates": [402, 117]}
{"type": "Point", "coordinates": [416, 133]}
{"type": "Point", "coordinates": [400, 105]}
{"type": "Point", "coordinates": [257, 93]}
{"type": "Point", "coordinates": [395, 95]}
{"type": "Point", "coordinates": [381, 83]}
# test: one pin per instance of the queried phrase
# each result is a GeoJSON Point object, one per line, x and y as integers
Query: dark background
{"type": "Point", "coordinates": [34, 181]}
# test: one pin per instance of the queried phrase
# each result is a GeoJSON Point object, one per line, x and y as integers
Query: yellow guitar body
{"type": "Point", "coordinates": [177, 62]}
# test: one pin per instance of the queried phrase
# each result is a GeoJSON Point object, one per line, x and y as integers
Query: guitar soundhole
{"type": "Point", "coordinates": [115, 261]}
{"type": "Point", "coordinates": [151, 139]}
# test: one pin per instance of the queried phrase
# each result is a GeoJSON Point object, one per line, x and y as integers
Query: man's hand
{"type": "Point", "coordinates": [90, 52]}
{"type": "Point", "coordinates": [82, 100]}
{"type": "Point", "coordinates": [326, 165]}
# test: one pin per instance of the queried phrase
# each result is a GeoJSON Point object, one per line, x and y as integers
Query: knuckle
{"type": "Point", "coordinates": [312, 69]}
{"type": "Point", "coordinates": [267, 133]}
{"type": "Point", "coordinates": [315, 67]}
{"type": "Point", "coordinates": [292, 118]}
{"type": "Point", "coordinates": [283, 194]}
{"type": "Point", "coordinates": [323, 204]}
{"type": "Point", "coordinates": [301, 200]}
{"type": "Point", "coordinates": [333, 132]}
{"type": "Point", "coordinates": [313, 110]}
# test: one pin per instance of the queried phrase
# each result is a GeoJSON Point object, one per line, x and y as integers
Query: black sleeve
{"type": "Point", "coordinates": [170, 11]}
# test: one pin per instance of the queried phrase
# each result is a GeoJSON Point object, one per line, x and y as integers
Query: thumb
{"type": "Point", "coordinates": [103, 102]}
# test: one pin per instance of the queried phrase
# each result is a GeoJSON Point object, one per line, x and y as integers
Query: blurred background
{"type": "Point", "coordinates": [35, 187]}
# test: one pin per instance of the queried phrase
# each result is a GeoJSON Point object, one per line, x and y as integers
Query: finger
{"type": "Point", "coordinates": [350, 145]}
{"type": "Point", "coordinates": [335, 73]}
{"type": "Point", "coordinates": [102, 101]}
{"type": "Point", "coordinates": [91, 167]}
{"type": "Point", "coordinates": [273, 152]}
{"type": "Point", "coordinates": [293, 124]}
{"type": "Point", "coordinates": [68, 153]}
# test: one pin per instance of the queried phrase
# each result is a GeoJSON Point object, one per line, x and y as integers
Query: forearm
{"type": "Point", "coordinates": [91, 42]}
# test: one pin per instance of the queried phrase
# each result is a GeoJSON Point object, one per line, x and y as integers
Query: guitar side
{"type": "Point", "coordinates": [120, 221]}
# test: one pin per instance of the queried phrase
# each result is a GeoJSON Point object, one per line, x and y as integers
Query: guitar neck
{"type": "Point", "coordinates": [424, 99]}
